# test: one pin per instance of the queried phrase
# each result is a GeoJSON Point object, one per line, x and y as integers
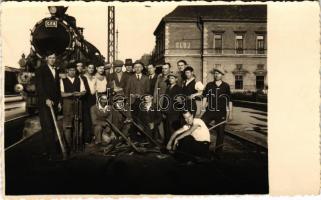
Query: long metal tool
{"type": "Point", "coordinates": [63, 149]}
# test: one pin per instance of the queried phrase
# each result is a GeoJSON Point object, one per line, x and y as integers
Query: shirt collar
{"type": "Point", "coordinates": [148, 106]}
{"type": "Point", "coordinates": [103, 109]}
{"type": "Point", "coordinates": [171, 86]}
{"type": "Point", "coordinates": [216, 84]}
{"type": "Point", "coordinates": [188, 81]}
{"type": "Point", "coordinates": [72, 79]}
{"type": "Point", "coordinates": [51, 67]}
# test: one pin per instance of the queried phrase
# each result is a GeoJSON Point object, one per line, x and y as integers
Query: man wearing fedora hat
{"type": "Point", "coordinates": [217, 96]}
{"type": "Point", "coordinates": [129, 66]}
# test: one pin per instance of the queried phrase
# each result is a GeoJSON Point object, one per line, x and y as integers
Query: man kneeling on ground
{"type": "Point", "coordinates": [193, 139]}
{"type": "Point", "coordinates": [99, 114]}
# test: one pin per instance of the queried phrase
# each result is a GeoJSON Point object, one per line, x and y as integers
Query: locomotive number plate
{"type": "Point", "coordinates": [51, 24]}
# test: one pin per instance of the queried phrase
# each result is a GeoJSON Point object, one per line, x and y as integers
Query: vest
{"type": "Point", "coordinates": [71, 87]}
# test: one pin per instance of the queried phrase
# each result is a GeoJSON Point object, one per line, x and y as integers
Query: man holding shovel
{"type": "Point", "coordinates": [217, 100]}
{"type": "Point", "coordinates": [49, 96]}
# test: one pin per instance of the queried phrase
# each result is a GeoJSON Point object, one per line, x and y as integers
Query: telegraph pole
{"type": "Point", "coordinates": [111, 34]}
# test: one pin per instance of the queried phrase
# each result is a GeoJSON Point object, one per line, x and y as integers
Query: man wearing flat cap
{"type": "Point", "coordinates": [173, 104]}
{"type": "Point", "coordinates": [72, 88]}
{"type": "Point", "coordinates": [118, 79]}
{"type": "Point", "coordinates": [217, 95]}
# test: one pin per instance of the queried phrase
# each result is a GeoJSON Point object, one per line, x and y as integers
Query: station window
{"type": "Point", "coordinates": [239, 67]}
{"type": "Point", "coordinates": [218, 43]}
{"type": "Point", "coordinates": [239, 44]}
{"type": "Point", "coordinates": [238, 82]}
{"type": "Point", "coordinates": [259, 82]}
{"type": "Point", "coordinates": [260, 44]}
{"type": "Point", "coordinates": [260, 67]}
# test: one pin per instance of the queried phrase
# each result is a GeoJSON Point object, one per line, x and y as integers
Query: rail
{"type": "Point", "coordinates": [251, 102]}
{"type": "Point", "coordinates": [21, 141]}
{"type": "Point", "coordinates": [12, 98]}
{"type": "Point", "coordinates": [19, 117]}
{"type": "Point", "coordinates": [260, 142]}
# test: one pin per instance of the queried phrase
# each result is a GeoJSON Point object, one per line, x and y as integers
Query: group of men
{"type": "Point", "coordinates": [164, 104]}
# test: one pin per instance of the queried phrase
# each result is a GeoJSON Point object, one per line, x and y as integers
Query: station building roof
{"type": "Point", "coordinates": [237, 13]}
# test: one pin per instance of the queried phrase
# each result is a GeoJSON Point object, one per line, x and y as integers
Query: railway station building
{"type": "Point", "coordinates": [233, 37]}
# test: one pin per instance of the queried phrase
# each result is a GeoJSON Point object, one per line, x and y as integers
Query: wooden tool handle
{"type": "Point", "coordinates": [63, 149]}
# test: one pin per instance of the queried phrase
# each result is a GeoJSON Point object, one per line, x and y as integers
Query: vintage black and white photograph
{"type": "Point", "coordinates": [135, 98]}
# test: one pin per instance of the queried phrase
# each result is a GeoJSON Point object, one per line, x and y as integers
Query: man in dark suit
{"type": "Point", "coordinates": [138, 85]}
{"type": "Point", "coordinates": [152, 77]}
{"type": "Point", "coordinates": [48, 90]}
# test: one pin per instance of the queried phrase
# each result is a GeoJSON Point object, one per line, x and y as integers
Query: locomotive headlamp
{"type": "Point", "coordinates": [52, 10]}
{"type": "Point", "coordinates": [18, 88]}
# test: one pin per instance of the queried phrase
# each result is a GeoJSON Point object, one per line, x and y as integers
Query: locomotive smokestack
{"type": "Point", "coordinates": [57, 11]}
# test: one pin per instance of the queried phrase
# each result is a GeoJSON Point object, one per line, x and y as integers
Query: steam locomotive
{"type": "Point", "coordinates": [58, 33]}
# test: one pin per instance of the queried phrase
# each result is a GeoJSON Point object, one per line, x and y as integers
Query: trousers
{"type": "Point", "coordinates": [48, 129]}
{"type": "Point", "coordinates": [218, 117]}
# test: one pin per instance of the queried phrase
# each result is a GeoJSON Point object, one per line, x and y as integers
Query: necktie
{"type": "Point", "coordinates": [138, 77]}
{"type": "Point", "coordinates": [150, 77]}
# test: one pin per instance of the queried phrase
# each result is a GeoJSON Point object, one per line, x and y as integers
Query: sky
{"type": "Point", "coordinates": [135, 23]}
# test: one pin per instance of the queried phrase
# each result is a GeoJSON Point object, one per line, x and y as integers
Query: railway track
{"type": "Point", "coordinates": [244, 139]}
{"type": "Point", "coordinates": [13, 129]}
{"type": "Point", "coordinates": [13, 98]}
